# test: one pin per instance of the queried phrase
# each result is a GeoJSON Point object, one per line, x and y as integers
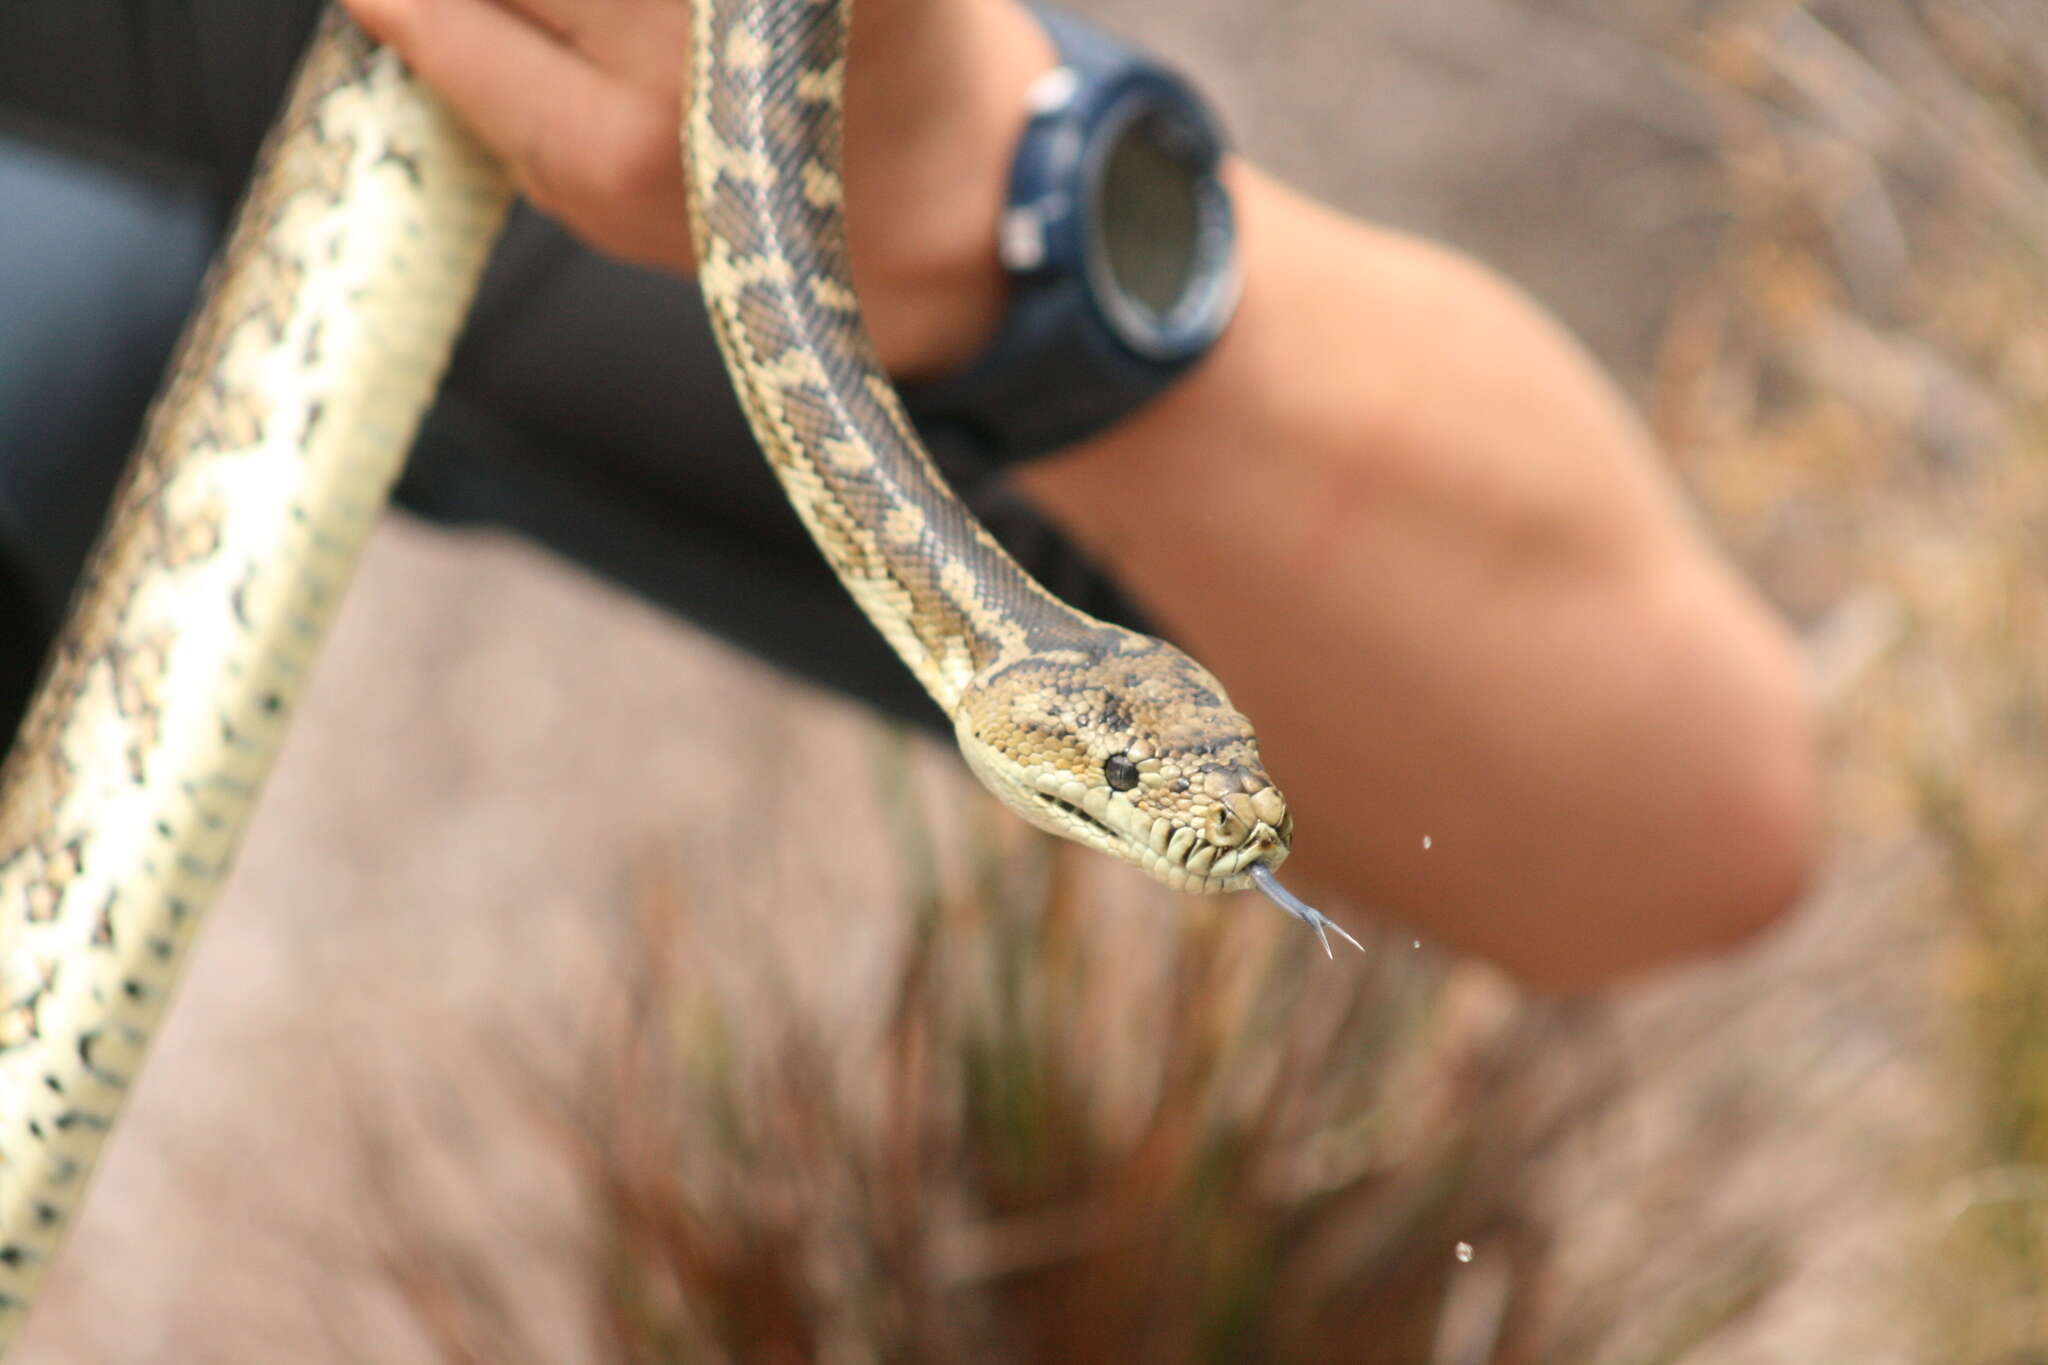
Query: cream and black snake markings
{"type": "Point", "coordinates": [290, 404]}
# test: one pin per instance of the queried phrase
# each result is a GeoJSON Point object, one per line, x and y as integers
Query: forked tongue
{"type": "Point", "coordinates": [1269, 886]}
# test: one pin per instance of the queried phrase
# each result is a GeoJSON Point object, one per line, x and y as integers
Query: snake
{"type": "Point", "coordinates": [291, 400]}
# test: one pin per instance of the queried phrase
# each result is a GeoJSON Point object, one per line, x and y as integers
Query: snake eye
{"type": "Point", "coordinates": [1120, 772]}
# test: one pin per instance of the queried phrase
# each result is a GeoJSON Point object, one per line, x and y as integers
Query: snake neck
{"type": "Point", "coordinates": [763, 140]}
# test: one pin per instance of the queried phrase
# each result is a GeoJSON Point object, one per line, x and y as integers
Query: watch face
{"type": "Point", "coordinates": [1149, 213]}
{"type": "Point", "coordinates": [1158, 231]}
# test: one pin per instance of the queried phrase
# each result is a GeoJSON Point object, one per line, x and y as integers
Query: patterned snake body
{"type": "Point", "coordinates": [288, 410]}
{"type": "Point", "coordinates": [1091, 731]}
{"type": "Point", "coordinates": [285, 417]}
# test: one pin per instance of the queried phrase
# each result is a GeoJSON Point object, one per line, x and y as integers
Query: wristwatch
{"type": "Point", "coordinates": [1120, 245]}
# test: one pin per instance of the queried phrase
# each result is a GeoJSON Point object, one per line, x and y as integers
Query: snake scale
{"type": "Point", "coordinates": [289, 406]}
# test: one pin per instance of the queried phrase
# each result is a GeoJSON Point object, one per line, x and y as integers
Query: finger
{"type": "Point", "coordinates": [583, 145]}
{"type": "Point", "coordinates": [645, 41]}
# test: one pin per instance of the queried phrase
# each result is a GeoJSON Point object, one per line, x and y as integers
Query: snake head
{"type": "Point", "coordinates": [1125, 744]}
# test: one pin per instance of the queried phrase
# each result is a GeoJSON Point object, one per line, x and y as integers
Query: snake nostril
{"type": "Point", "coordinates": [1226, 830]}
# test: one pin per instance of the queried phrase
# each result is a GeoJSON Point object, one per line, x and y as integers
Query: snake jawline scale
{"type": "Point", "coordinates": [1097, 733]}
{"type": "Point", "coordinates": [286, 414]}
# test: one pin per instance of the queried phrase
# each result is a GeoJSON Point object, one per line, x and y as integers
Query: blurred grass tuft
{"type": "Point", "coordinates": [1874, 439]}
{"type": "Point", "coordinates": [986, 1178]}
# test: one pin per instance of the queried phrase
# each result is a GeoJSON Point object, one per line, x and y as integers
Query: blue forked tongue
{"type": "Point", "coordinates": [1269, 886]}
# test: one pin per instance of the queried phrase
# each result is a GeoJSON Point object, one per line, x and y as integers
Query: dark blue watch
{"type": "Point", "coordinates": [1120, 244]}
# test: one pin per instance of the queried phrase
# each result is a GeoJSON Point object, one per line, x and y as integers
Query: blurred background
{"type": "Point", "coordinates": [590, 993]}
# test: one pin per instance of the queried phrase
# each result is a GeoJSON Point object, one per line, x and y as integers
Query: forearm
{"type": "Point", "coordinates": [1435, 560]}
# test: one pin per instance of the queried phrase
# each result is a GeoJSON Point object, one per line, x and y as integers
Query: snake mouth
{"type": "Point", "coordinates": [1071, 809]}
{"type": "Point", "coordinates": [1230, 869]}
{"type": "Point", "coordinates": [1199, 867]}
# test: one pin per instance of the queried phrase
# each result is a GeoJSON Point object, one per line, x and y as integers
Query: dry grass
{"type": "Point", "coordinates": [1870, 417]}
{"type": "Point", "coordinates": [1051, 1147]}
{"type": "Point", "coordinates": [1037, 1153]}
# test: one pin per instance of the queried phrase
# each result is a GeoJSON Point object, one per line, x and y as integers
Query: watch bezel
{"type": "Point", "coordinates": [1191, 324]}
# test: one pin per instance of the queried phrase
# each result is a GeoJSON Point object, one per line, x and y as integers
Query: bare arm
{"type": "Point", "coordinates": [1401, 514]}
{"type": "Point", "coordinates": [1431, 553]}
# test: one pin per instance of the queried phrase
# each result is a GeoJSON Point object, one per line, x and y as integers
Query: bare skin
{"type": "Point", "coordinates": [1398, 511]}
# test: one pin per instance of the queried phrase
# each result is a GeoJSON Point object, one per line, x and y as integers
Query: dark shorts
{"type": "Point", "coordinates": [586, 406]}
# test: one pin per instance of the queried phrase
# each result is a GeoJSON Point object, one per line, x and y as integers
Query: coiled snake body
{"type": "Point", "coordinates": [291, 402]}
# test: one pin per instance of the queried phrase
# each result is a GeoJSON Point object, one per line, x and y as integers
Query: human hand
{"type": "Point", "coordinates": [582, 99]}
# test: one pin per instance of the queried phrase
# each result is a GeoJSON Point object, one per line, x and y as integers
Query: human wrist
{"type": "Point", "coordinates": [926, 190]}
{"type": "Point", "coordinates": [1246, 393]}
